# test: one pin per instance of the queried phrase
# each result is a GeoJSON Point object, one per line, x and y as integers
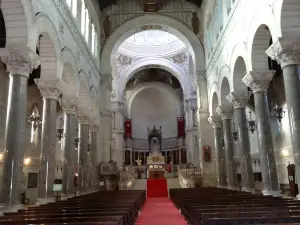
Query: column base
{"type": "Point", "coordinates": [250, 190]}
{"type": "Point", "coordinates": [233, 188]}
{"type": "Point", "coordinates": [271, 193]}
{"type": "Point", "coordinates": [10, 209]}
{"type": "Point", "coordinates": [222, 186]}
{"type": "Point", "coordinates": [44, 201]}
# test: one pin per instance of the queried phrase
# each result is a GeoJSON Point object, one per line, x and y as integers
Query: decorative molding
{"type": "Point", "coordinates": [76, 33]}
{"type": "Point", "coordinates": [49, 91]}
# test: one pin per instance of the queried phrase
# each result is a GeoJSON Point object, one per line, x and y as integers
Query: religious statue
{"type": "Point", "coordinates": [154, 145]}
{"type": "Point", "coordinates": [107, 26]}
{"type": "Point", "coordinates": [195, 23]}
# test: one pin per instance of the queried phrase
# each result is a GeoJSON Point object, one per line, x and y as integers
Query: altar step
{"type": "Point", "coordinates": [157, 188]}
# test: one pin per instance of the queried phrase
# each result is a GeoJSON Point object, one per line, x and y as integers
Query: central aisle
{"type": "Point", "coordinates": [160, 211]}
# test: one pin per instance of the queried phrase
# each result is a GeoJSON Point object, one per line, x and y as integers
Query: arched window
{"type": "Point", "coordinates": [83, 18]}
{"type": "Point", "coordinates": [87, 25]}
{"type": "Point", "coordinates": [93, 39]}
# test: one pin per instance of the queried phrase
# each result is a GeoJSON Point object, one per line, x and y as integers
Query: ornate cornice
{"type": "Point", "coordinates": [285, 52]}
{"type": "Point", "coordinates": [20, 61]}
{"type": "Point", "coordinates": [257, 81]}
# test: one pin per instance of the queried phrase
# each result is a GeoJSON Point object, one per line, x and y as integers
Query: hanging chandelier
{"type": "Point", "coordinates": [35, 120]}
{"type": "Point", "coordinates": [223, 143]}
{"type": "Point", "coordinates": [60, 130]}
{"type": "Point", "coordinates": [234, 134]}
{"type": "Point", "coordinates": [76, 142]}
{"type": "Point", "coordinates": [251, 123]}
{"type": "Point", "coordinates": [278, 112]}
{"type": "Point", "coordinates": [89, 147]}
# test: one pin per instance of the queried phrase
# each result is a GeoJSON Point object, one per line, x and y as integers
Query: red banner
{"type": "Point", "coordinates": [180, 126]}
{"type": "Point", "coordinates": [127, 129]}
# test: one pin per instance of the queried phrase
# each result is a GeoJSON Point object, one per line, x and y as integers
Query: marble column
{"type": "Point", "coordinates": [20, 64]}
{"type": "Point", "coordinates": [48, 143]}
{"type": "Point", "coordinates": [106, 131]}
{"type": "Point", "coordinates": [287, 54]}
{"type": "Point", "coordinates": [220, 152]}
{"type": "Point", "coordinates": [94, 156]}
{"type": "Point", "coordinates": [239, 102]}
{"type": "Point", "coordinates": [70, 126]}
{"type": "Point", "coordinates": [226, 115]}
{"type": "Point", "coordinates": [259, 83]}
{"type": "Point", "coordinates": [83, 153]}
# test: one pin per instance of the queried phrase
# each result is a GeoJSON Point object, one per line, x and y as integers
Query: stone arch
{"type": "Point", "coordinates": [288, 16]}
{"type": "Point", "coordinates": [263, 27]}
{"type": "Point", "coordinates": [48, 43]}
{"type": "Point", "coordinates": [17, 28]}
{"type": "Point", "coordinates": [213, 98]}
{"type": "Point", "coordinates": [134, 26]}
{"type": "Point", "coordinates": [83, 93]}
{"type": "Point", "coordinates": [239, 71]}
{"type": "Point", "coordinates": [224, 86]}
{"type": "Point", "coordinates": [164, 88]}
{"type": "Point", "coordinates": [260, 43]}
{"type": "Point", "coordinates": [238, 67]}
{"type": "Point", "coordinates": [70, 71]}
{"type": "Point", "coordinates": [147, 63]}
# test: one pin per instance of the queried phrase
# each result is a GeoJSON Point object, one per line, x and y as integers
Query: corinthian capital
{"type": "Point", "coordinates": [285, 52]}
{"type": "Point", "coordinates": [215, 121]}
{"type": "Point", "coordinates": [238, 100]}
{"type": "Point", "coordinates": [258, 81]}
{"type": "Point", "coordinates": [49, 91]}
{"type": "Point", "coordinates": [21, 61]}
{"type": "Point", "coordinates": [224, 112]}
{"type": "Point", "coordinates": [200, 77]}
{"type": "Point", "coordinates": [69, 105]}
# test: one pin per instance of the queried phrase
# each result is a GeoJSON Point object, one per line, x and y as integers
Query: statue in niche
{"type": "Point", "coordinates": [195, 23]}
{"type": "Point", "coordinates": [154, 145]}
{"type": "Point", "coordinates": [107, 26]}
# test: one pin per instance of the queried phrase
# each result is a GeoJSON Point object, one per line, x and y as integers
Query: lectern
{"type": "Point", "coordinates": [292, 182]}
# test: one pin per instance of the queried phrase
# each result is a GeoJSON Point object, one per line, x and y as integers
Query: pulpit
{"type": "Point", "coordinates": [156, 164]}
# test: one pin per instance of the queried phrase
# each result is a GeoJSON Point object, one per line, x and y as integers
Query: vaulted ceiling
{"type": "Point", "coordinates": [104, 3]}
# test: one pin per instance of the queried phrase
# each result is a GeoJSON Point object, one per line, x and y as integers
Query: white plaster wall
{"type": "Point", "coordinates": [154, 107]}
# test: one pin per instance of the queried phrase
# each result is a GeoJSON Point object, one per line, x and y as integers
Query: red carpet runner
{"type": "Point", "coordinates": [157, 188]}
{"type": "Point", "coordinates": [160, 211]}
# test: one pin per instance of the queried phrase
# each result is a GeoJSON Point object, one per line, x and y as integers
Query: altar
{"type": "Point", "coordinates": [156, 165]}
{"type": "Point", "coordinates": [155, 160]}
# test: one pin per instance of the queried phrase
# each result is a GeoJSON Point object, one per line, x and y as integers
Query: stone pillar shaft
{"type": "Point", "coordinates": [94, 180]}
{"type": "Point", "coordinates": [244, 148]}
{"type": "Point", "coordinates": [265, 142]}
{"type": "Point", "coordinates": [83, 156]}
{"type": "Point", "coordinates": [292, 92]}
{"type": "Point", "coordinates": [229, 155]}
{"type": "Point", "coordinates": [14, 140]}
{"type": "Point", "coordinates": [220, 152]}
{"type": "Point", "coordinates": [48, 163]}
{"type": "Point", "coordinates": [70, 125]}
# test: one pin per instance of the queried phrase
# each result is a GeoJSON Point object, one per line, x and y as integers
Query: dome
{"type": "Point", "coordinates": [152, 43]}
